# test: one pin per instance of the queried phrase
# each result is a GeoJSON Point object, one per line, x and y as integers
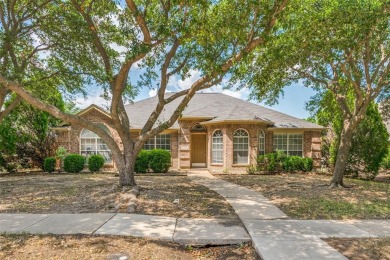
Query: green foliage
{"type": "Point", "coordinates": [95, 162]}
{"type": "Point", "coordinates": [252, 169]}
{"type": "Point", "coordinates": [74, 163]}
{"type": "Point", "coordinates": [271, 162]}
{"type": "Point", "coordinates": [160, 160]}
{"type": "Point", "coordinates": [386, 161]}
{"type": "Point", "coordinates": [2, 161]}
{"type": "Point", "coordinates": [61, 152]}
{"type": "Point", "coordinates": [293, 163]}
{"type": "Point", "coordinates": [369, 140]}
{"type": "Point", "coordinates": [49, 164]}
{"type": "Point", "coordinates": [142, 161]}
{"type": "Point", "coordinates": [279, 161]}
{"type": "Point", "coordinates": [307, 164]}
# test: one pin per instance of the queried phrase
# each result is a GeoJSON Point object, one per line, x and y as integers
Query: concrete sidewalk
{"type": "Point", "coordinates": [274, 236]}
{"type": "Point", "coordinates": [179, 230]}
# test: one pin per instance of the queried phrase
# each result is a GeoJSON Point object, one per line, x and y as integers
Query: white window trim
{"type": "Point", "coordinates": [155, 142]}
{"type": "Point", "coordinates": [96, 146]}
{"type": "Point", "coordinates": [240, 150]}
{"type": "Point", "coordinates": [288, 139]}
{"type": "Point", "coordinates": [262, 136]}
{"type": "Point", "coordinates": [212, 149]}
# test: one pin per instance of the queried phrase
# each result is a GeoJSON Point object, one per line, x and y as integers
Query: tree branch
{"type": "Point", "coordinates": [140, 21]}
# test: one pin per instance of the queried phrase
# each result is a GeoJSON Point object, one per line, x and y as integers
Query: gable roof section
{"type": "Point", "coordinates": [219, 108]}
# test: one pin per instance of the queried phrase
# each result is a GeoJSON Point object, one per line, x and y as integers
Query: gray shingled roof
{"type": "Point", "coordinates": [217, 107]}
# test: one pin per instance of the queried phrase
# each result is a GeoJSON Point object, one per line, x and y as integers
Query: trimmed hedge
{"type": "Point", "coordinates": [157, 160]}
{"type": "Point", "coordinates": [95, 162]}
{"type": "Point", "coordinates": [49, 164]}
{"type": "Point", "coordinates": [160, 160]}
{"type": "Point", "coordinates": [279, 161]}
{"type": "Point", "coordinates": [74, 163]}
{"type": "Point", "coordinates": [142, 161]}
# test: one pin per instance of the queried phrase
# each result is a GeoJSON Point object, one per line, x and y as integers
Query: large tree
{"type": "Point", "coordinates": [104, 41]}
{"type": "Point", "coordinates": [21, 52]}
{"type": "Point", "coordinates": [340, 46]}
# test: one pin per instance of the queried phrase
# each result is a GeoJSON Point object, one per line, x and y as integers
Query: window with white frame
{"type": "Point", "coordinates": [217, 147]}
{"type": "Point", "coordinates": [292, 144]}
{"type": "Point", "coordinates": [261, 142]}
{"type": "Point", "coordinates": [240, 147]}
{"type": "Point", "coordinates": [162, 141]}
{"type": "Point", "coordinates": [91, 144]}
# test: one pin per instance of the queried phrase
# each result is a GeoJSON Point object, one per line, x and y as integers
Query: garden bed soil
{"type": "Point", "coordinates": [111, 248]}
{"type": "Point", "coordinates": [362, 248]}
{"type": "Point", "coordinates": [170, 194]}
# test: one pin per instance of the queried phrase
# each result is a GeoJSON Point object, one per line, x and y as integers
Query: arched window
{"type": "Point", "coordinates": [197, 128]}
{"type": "Point", "coordinates": [261, 142]}
{"type": "Point", "coordinates": [217, 147]}
{"type": "Point", "coordinates": [240, 147]}
{"type": "Point", "coordinates": [91, 143]}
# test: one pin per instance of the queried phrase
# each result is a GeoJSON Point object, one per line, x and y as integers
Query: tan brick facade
{"type": "Point", "coordinates": [181, 142]}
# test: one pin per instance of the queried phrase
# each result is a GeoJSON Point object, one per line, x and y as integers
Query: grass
{"type": "Point", "coordinates": [307, 196]}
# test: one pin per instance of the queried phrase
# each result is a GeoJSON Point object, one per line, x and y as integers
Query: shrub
{"type": "Point", "coordinates": [74, 163]}
{"type": "Point", "coordinates": [49, 164]}
{"type": "Point", "coordinates": [160, 160]}
{"type": "Point", "coordinates": [142, 161]}
{"type": "Point", "coordinates": [252, 169]}
{"type": "Point", "coordinates": [2, 161]}
{"type": "Point", "coordinates": [307, 164]}
{"type": "Point", "coordinates": [386, 161]}
{"type": "Point", "coordinates": [95, 162]}
{"type": "Point", "coordinates": [293, 163]}
{"type": "Point", "coordinates": [271, 162]}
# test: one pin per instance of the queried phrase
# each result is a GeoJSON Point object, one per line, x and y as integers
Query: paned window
{"type": "Point", "coordinates": [261, 142]}
{"type": "Point", "coordinates": [217, 147]}
{"type": "Point", "coordinates": [91, 144]}
{"type": "Point", "coordinates": [240, 147]}
{"type": "Point", "coordinates": [162, 141]}
{"type": "Point", "coordinates": [292, 144]}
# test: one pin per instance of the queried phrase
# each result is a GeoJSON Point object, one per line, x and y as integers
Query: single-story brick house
{"type": "Point", "coordinates": [215, 131]}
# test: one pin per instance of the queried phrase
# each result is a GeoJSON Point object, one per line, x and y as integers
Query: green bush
{"type": "Point", "coordinates": [142, 161]}
{"type": "Point", "coordinates": [95, 162]}
{"type": "Point", "coordinates": [279, 161]}
{"type": "Point", "coordinates": [271, 162]}
{"type": "Point", "coordinates": [386, 161]}
{"type": "Point", "coordinates": [49, 164]}
{"type": "Point", "coordinates": [74, 163]}
{"type": "Point", "coordinates": [160, 160]}
{"type": "Point", "coordinates": [307, 164]}
{"type": "Point", "coordinates": [3, 163]}
{"type": "Point", "coordinates": [293, 164]}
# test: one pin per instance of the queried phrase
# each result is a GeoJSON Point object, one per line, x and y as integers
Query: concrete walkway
{"type": "Point", "coordinates": [274, 236]}
{"type": "Point", "coordinates": [179, 230]}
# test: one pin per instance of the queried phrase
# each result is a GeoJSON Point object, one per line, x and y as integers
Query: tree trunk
{"type": "Point", "coordinates": [342, 155]}
{"type": "Point", "coordinates": [126, 172]}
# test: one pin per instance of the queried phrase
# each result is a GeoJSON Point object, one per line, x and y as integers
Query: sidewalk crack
{"type": "Point", "coordinates": [174, 230]}
{"type": "Point", "coordinates": [93, 232]}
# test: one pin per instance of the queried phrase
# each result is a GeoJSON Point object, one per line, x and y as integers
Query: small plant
{"type": "Point", "coordinates": [307, 164]}
{"type": "Point", "coordinates": [49, 164]}
{"type": "Point", "coordinates": [74, 163]}
{"type": "Point", "coordinates": [252, 169]}
{"type": "Point", "coordinates": [95, 162]}
{"type": "Point", "coordinates": [160, 160]}
{"type": "Point", "coordinates": [61, 152]}
{"type": "Point", "coordinates": [142, 161]}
